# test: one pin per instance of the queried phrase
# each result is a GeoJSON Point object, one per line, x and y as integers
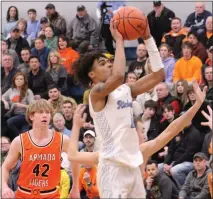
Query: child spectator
{"type": "Point", "coordinates": [33, 25]}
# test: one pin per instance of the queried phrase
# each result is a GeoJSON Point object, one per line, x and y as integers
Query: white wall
{"type": "Point", "coordinates": [68, 9]}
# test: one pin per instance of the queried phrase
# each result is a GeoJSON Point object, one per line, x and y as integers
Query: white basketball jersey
{"type": "Point", "coordinates": [115, 128]}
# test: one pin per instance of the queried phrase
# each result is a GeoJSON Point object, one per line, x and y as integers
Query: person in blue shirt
{"type": "Point", "coordinates": [33, 25]}
{"type": "Point", "coordinates": [105, 12]}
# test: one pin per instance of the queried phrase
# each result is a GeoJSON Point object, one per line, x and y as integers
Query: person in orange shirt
{"type": "Point", "coordinates": [87, 182]}
{"type": "Point", "coordinates": [188, 67]}
{"type": "Point", "coordinates": [40, 152]}
{"type": "Point", "coordinates": [67, 54]}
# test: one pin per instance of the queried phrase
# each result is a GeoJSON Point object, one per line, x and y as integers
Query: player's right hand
{"type": "Point", "coordinates": [7, 193]}
{"type": "Point", "coordinates": [114, 31]}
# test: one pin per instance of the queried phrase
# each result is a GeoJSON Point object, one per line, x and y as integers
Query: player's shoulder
{"type": "Point", "coordinates": [17, 142]}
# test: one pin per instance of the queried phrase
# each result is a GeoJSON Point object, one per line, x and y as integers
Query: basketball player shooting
{"type": "Point", "coordinates": [148, 148]}
{"type": "Point", "coordinates": [110, 103]}
{"type": "Point", "coordinates": [40, 152]}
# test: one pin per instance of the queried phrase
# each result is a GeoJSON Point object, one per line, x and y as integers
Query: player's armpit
{"type": "Point", "coordinates": [146, 83]}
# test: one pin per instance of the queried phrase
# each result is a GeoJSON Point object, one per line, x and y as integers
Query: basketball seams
{"type": "Point", "coordinates": [124, 25]}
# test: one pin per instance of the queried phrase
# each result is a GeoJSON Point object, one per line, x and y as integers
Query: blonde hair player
{"type": "Point", "coordinates": [40, 152]}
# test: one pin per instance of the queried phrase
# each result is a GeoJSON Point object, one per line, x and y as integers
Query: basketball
{"type": "Point", "coordinates": [131, 22]}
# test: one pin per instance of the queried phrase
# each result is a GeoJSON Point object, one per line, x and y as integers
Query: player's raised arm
{"type": "Point", "coordinates": [74, 155]}
{"type": "Point", "coordinates": [117, 69]}
{"type": "Point", "coordinates": [151, 147]}
{"type": "Point", "coordinates": [149, 81]}
{"type": "Point", "coordinates": [9, 163]}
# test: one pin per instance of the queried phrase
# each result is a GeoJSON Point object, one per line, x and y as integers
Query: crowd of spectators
{"type": "Point", "coordinates": [37, 59]}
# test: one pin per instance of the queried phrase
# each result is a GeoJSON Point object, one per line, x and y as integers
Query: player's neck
{"type": "Point", "coordinates": [38, 132]}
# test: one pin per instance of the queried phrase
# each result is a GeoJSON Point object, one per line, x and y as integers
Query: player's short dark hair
{"type": "Point", "coordinates": [34, 57]}
{"type": "Point", "coordinates": [150, 104]}
{"type": "Point", "coordinates": [84, 65]}
{"type": "Point", "coordinates": [31, 10]}
{"type": "Point", "coordinates": [149, 162]}
{"type": "Point", "coordinates": [187, 44]}
{"type": "Point", "coordinates": [169, 107]}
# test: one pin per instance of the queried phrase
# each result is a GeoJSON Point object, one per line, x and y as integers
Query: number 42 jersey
{"type": "Point", "coordinates": [40, 167]}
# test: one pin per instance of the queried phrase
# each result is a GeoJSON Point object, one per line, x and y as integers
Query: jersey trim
{"type": "Point", "coordinates": [22, 148]}
{"type": "Point", "coordinates": [53, 135]}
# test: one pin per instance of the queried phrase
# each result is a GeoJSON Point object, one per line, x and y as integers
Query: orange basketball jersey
{"type": "Point", "coordinates": [40, 167]}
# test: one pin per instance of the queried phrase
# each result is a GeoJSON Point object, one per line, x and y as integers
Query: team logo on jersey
{"type": "Point", "coordinates": [122, 104]}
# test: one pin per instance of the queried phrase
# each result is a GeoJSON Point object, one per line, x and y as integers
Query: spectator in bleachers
{"type": "Point", "coordinates": [16, 42]}
{"type": "Point", "coordinates": [38, 79]}
{"type": "Point", "coordinates": [33, 25]}
{"type": "Point", "coordinates": [25, 55]}
{"type": "Point", "coordinates": [139, 125]}
{"type": "Point", "coordinates": [178, 162]}
{"type": "Point", "coordinates": [14, 173]}
{"type": "Point", "coordinates": [209, 61]}
{"type": "Point", "coordinates": [142, 98]}
{"type": "Point", "coordinates": [56, 20]}
{"type": "Point", "coordinates": [110, 7]}
{"type": "Point", "coordinates": [12, 18]}
{"type": "Point", "coordinates": [196, 20]}
{"type": "Point", "coordinates": [180, 92]}
{"type": "Point", "coordinates": [137, 66]}
{"type": "Point", "coordinates": [131, 78]}
{"type": "Point", "coordinates": [168, 62]}
{"type": "Point", "coordinates": [198, 118]}
{"type": "Point", "coordinates": [83, 31]}
{"type": "Point", "coordinates": [56, 99]}
{"type": "Point", "coordinates": [59, 124]}
{"type": "Point", "coordinates": [7, 72]}
{"type": "Point", "coordinates": [150, 120]}
{"type": "Point", "coordinates": [165, 97]}
{"type": "Point", "coordinates": [41, 52]}
{"type": "Point", "coordinates": [208, 81]}
{"type": "Point", "coordinates": [67, 54]}
{"type": "Point", "coordinates": [159, 21]}
{"type": "Point", "coordinates": [89, 141]}
{"type": "Point", "coordinates": [175, 37]}
{"type": "Point", "coordinates": [196, 183]}
{"type": "Point", "coordinates": [22, 26]}
{"type": "Point", "coordinates": [68, 108]}
{"type": "Point", "coordinates": [57, 71]}
{"type": "Point", "coordinates": [159, 185]}
{"type": "Point", "coordinates": [189, 66]}
{"type": "Point", "coordinates": [5, 50]}
{"type": "Point", "coordinates": [17, 99]}
{"type": "Point", "coordinates": [169, 115]}
{"type": "Point", "coordinates": [44, 22]}
{"type": "Point", "coordinates": [207, 35]}
{"type": "Point", "coordinates": [206, 144]}
{"type": "Point", "coordinates": [198, 49]}
{"type": "Point", "coordinates": [88, 182]}
{"type": "Point", "coordinates": [50, 41]}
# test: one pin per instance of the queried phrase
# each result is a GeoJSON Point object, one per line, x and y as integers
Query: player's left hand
{"type": "Point", "coordinates": [208, 117]}
{"type": "Point", "coordinates": [79, 117]}
{"type": "Point", "coordinates": [146, 35]}
{"type": "Point", "coordinates": [114, 31]}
